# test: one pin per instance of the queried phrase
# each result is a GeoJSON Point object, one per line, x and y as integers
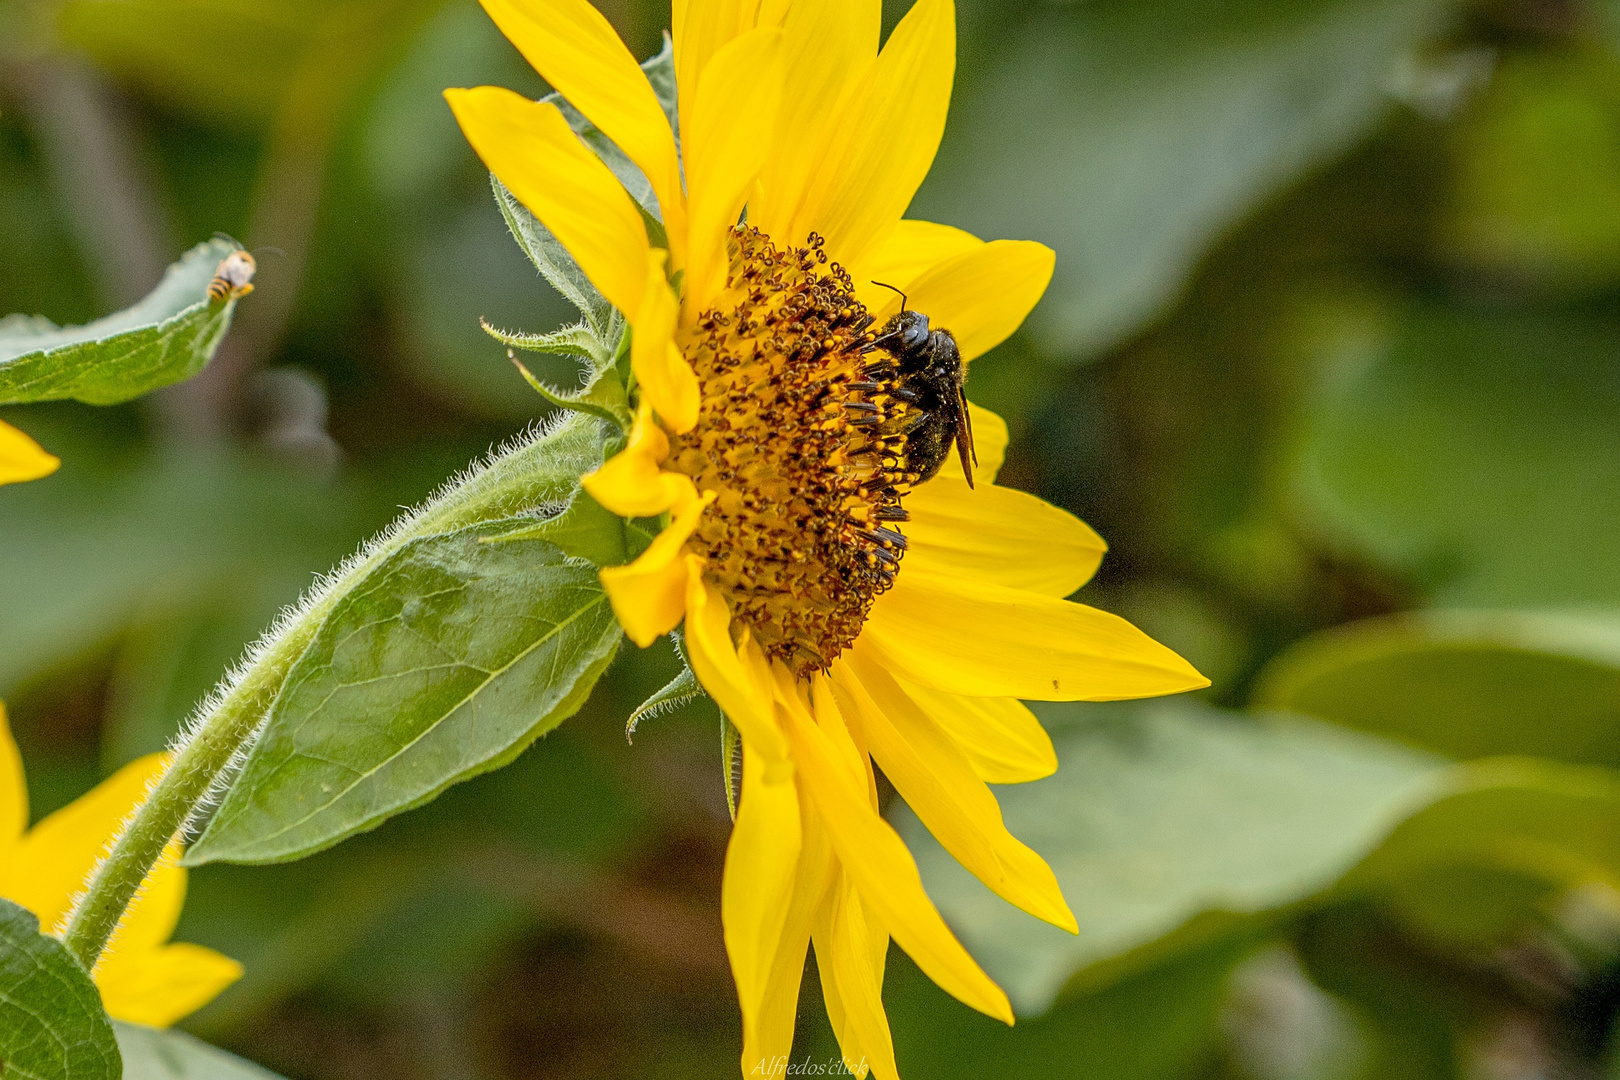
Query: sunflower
{"type": "Point", "coordinates": [846, 610]}
{"type": "Point", "coordinates": [143, 977]}
{"type": "Point", "coordinates": [21, 457]}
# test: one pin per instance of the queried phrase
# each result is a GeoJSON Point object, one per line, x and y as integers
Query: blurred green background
{"type": "Point", "coordinates": [1331, 357]}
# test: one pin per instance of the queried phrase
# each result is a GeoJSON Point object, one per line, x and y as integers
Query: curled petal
{"type": "Point", "coordinates": [631, 484]}
{"type": "Point", "coordinates": [649, 595]}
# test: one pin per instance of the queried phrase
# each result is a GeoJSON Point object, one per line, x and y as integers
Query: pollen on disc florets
{"type": "Point", "coordinates": [803, 441]}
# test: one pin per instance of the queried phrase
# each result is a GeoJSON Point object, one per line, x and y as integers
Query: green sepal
{"type": "Point", "coordinates": [576, 340]}
{"type": "Point", "coordinates": [167, 337]}
{"type": "Point", "coordinates": [52, 1026]}
{"type": "Point", "coordinates": [731, 762]}
{"type": "Point", "coordinates": [603, 398]}
{"type": "Point", "coordinates": [680, 690]}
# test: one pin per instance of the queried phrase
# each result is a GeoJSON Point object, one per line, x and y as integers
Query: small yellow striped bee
{"type": "Point", "coordinates": [233, 278]}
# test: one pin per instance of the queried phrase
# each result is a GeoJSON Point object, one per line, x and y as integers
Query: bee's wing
{"type": "Point", "coordinates": [964, 435]}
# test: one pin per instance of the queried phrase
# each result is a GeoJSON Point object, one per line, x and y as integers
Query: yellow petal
{"type": "Point", "coordinates": [577, 51]}
{"type": "Point", "coordinates": [727, 137]}
{"type": "Point", "coordinates": [990, 440]}
{"type": "Point", "coordinates": [845, 946]}
{"type": "Point", "coordinates": [21, 458]}
{"type": "Point", "coordinates": [761, 866]}
{"type": "Point", "coordinates": [156, 987]}
{"type": "Point", "coordinates": [666, 379]}
{"type": "Point", "coordinates": [49, 867]}
{"type": "Point", "coordinates": [649, 595]}
{"type": "Point", "coordinates": [888, 136]}
{"type": "Point", "coordinates": [630, 483]}
{"type": "Point", "coordinates": [1002, 739]}
{"type": "Point", "coordinates": [813, 878]}
{"type": "Point", "coordinates": [999, 535]}
{"type": "Point", "coordinates": [938, 783]}
{"type": "Point", "coordinates": [13, 797]}
{"type": "Point", "coordinates": [981, 296]}
{"type": "Point", "coordinates": [530, 147]}
{"type": "Point", "coordinates": [911, 249]}
{"type": "Point", "coordinates": [700, 29]}
{"type": "Point", "coordinates": [827, 49]}
{"type": "Point", "coordinates": [737, 678]}
{"type": "Point", "coordinates": [878, 863]}
{"type": "Point", "coordinates": [983, 640]}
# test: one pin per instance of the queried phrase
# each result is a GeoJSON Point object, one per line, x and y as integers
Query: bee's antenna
{"type": "Point", "coordinates": [891, 288]}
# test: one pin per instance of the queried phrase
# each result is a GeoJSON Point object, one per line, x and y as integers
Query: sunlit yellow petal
{"type": "Point", "coordinates": [938, 783]}
{"type": "Point", "coordinates": [845, 946]}
{"type": "Point", "coordinates": [889, 134]}
{"type": "Point", "coordinates": [726, 140]}
{"type": "Point", "coordinates": [700, 29]}
{"type": "Point", "coordinates": [981, 296]}
{"type": "Point", "coordinates": [736, 678]}
{"type": "Point", "coordinates": [577, 51]}
{"type": "Point", "coordinates": [530, 147]}
{"type": "Point", "coordinates": [827, 49]}
{"type": "Point", "coordinates": [1002, 739]}
{"type": "Point", "coordinates": [158, 986]}
{"type": "Point", "coordinates": [876, 859]}
{"type": "Point", "coordinates": [667, 381]}
{"type": "Point", "coordinates": [761, 865]}
{"type": "Point", "coordinates": [1022, 644]}
{"type": "Point", "coordinates": [990, 439]}
{"type": "Point", "coordinates": [649, 595]}
{"type": "Point", "coordinates": [50, 865]}
{"type": "Point", "coordinates": [911, 249]}
{"type": "Point", "coordinates": [813, 879]}
{"type": "Point", "coordinates": [630, 483]}
{"type": "Point", "coordinates": [13, 796]}
{"type": "Point", "coordinates": [21, 458]}
{"type": "Point", "coordinates": [999, 535]}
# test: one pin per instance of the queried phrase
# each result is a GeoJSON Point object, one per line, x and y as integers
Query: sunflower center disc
{"type": "Point", "coordinates": [801, 437]}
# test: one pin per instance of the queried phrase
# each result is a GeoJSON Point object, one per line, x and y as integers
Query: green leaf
{"type": "Point", "coordinates": [166, 337]}
{"type": "Point", "coordinates": [1474, 454]}
{"type": "Point", "coordinates": [1129, 136]}
{"type": "Point", "coordinates": [51, 1023]}
{"type": "Point", "coordinates": [1168, 810]}
{"type": "Point", "coordinates": [443, 662]}
{"type": "Point", "coordinates": [151, 1054]}
{"type": "Point", "coordinates": [1466, 684]}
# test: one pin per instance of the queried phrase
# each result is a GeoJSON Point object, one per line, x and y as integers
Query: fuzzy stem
{"type": "Point", "coordinates": [538, 468]}
{"type": "Point", "coordinates": [182, 788]}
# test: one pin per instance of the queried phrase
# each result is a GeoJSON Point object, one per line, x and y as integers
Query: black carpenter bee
{"type": "Point", "coordinates": [933, 378]}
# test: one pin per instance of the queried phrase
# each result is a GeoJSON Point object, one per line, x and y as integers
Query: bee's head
{"type": "Point", "coordinates": [912, 327]}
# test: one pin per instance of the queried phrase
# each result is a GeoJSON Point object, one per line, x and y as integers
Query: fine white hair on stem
{"type": "Point", "coordinates": [327, 587]}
